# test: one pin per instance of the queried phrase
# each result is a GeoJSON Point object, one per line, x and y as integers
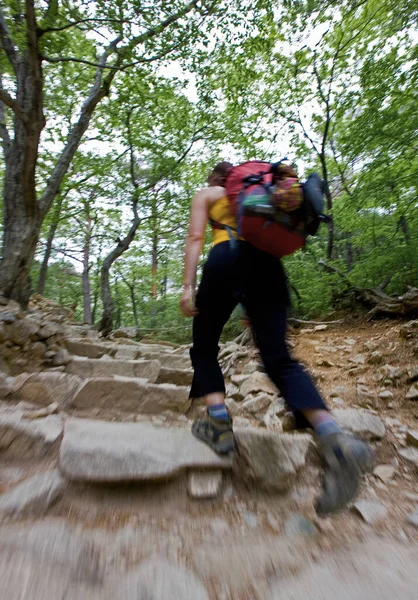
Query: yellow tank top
{"type": "Point", "coordinates": [221, 213]}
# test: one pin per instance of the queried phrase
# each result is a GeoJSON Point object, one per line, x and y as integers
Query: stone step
{"type": "Point", "coordinates": [99, 451]}
{"type": "Point", "coordinates": [130, 395]}
{"type": "Point", "coordinates": [89, 350]}
{"type": "Point", "coordinates": [175, 376]}
{"type": "Point", "coordinates": [170, 361]}
{"type": "Point", "coordinates": [20, 438]}
{"type": "Point", "coordinates": [94, 367]}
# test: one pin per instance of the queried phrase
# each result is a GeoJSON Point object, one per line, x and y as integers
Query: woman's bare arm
{"type": "Point", "coordinates": [194, 242]}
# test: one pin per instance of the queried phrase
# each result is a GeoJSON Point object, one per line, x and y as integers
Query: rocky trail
{"type": "Point", "coordinates": [105, 494]}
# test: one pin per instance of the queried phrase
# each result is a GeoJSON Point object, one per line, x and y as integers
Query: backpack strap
{"type": "Point", "coordinates": [228, 229]}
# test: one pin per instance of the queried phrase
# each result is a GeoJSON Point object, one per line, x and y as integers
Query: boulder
{"type": "Point", "coordinates": [100, 451]}
{"type": "Point", "coordinates": [257, 382]}
{"type": "Point", "coordinates": [125, 332]}
{"type": "Point", "coordinates": [270, 460]}
{"type": "Point", "coordinates": [21, 331]}
{"type": "Point", "coordinates": [26, 439]}
{"type": "Point", "coordinates": [127, 353]}
{"type": "Point", "coordinates": [47, 387]}
{"type": "Point", "coordinates": [413, 373]}
{"type": "Point", "coordinates": [128, 394]}
{"type": "Point", "coordinates": [388, 373]}
{"type": "Point", "coordinates": [360, 423]}
{"type": "Point", "coordinates": [34, 495]}
{"type": "Point", "coordinates": [257, 404]}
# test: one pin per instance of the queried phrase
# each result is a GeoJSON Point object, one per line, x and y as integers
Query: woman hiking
{"type": "Point", "coordinates": [235, 273]}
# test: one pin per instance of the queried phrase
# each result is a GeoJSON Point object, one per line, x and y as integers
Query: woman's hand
{"type": "Point", "coordinates": [187, 302]}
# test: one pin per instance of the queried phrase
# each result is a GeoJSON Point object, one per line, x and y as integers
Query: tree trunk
{"type": "Point", "coordinates": [87, 316]}
{"type": "Point", "coordinates": [40, 288]}
{"type": "Point", "coordinates": [22, 217]}
{"type": "Point", "coordinates": [106, 322]}
{"type": "Point", "coordinates": [134, 306]}
{"type": "Point", "coordinates": [328, 196]}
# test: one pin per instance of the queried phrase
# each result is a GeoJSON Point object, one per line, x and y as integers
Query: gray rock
{"type": "Point", "coordinates": [21, 331]}
{"type": "Point", "coordinates": [204, 485]}
{"type": "Point", "coordinates": [386, 395]}
{"type": "Point", "coordinates": [389, 373]}
{"type": "Point", "coordinates": [359, 359]}
{"type": "Point", "coordinates": [384, 472]}
{"type": "Point", "coordinates": [126, 394]}
{"type": "Point", "coordinates": [370, 511]}
{"type": "Point", "coordinates": [34, 495]}
{"type": "Point", "coordinates": [360, 423]}
{"type": "Point", "coordinates": [257, 382]}
{"type": "Point", "coordinates": [48, 330]}
{"type": "Point", "coordinates": [339, 390]}
{"type": "Point", "coordinates": [91, 367]}
{"type": "Point", "coordinates": [241, 422]}
{"type": "Point", "coordinates": [364, 395]}
{"type": "Point", "coordinates": [101, 451]}
{"type": "Point", "coordinates": [27, 439]}
{"type": "Point", "coordinates": [277, 407]}
{"type": "Point", "coordinates": [174, 376]}
{"type": "Point", "coordinates": [7, 317]}
{"type": "Point", "coordinates": [375, 358]}
{"type": "Point", "coordinates": [412, 393]}
{"type": "Point", "coordinates": [270, 460]}
{"type": "Point", "coordinates": [413, 373]}
{"type": "Point", "coordinates": [233, 407]}
{"type": "Point", "coordinates": [412, 438]}
{"type": "Point", "coordinates": [127, 353]}
{"type": "Point", "coordinates": [125, 332]}
{"type": "Point", "coordinates": [158, 579]}
{"type": "Point", "coordinates": [297, 524]}
{"type": "Point", "coordinates": [240, 378]}
{"type": "Point", "coordinates": [62, 357]}
{"type": "Point", "coordinates": [232, 391]}
{"type": "Point", "coordinates": [170, 361]}
{"type": "Point", "coordinates": [87, 349]}
{"type": "Point", "coordinates": [47, 387]}
{"type": "Point", "coordinates": [257, 404]}
{"type": "Point", "coordinates": [410, 455]}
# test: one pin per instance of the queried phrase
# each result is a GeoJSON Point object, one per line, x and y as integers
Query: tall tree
{"type": "Point", "coordinates": [31, 36]}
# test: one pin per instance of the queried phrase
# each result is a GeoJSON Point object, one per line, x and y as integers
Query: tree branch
{"type": "Point", "coordinates": [6, 99]}
{"type": "Point", "coordinates": [7, 42]}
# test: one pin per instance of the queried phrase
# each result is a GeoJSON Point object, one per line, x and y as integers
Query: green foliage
{"type": "Point", "coordinates": [331, 84]}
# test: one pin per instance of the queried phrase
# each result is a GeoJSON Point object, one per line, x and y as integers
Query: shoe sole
{"type": "Point", "coordinates": [358, 464]}
{"type": "Point", "coordinates": [223, 448]}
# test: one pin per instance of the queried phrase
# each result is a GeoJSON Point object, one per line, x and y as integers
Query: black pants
{"type": "Point", "coordinates": [257, 281]}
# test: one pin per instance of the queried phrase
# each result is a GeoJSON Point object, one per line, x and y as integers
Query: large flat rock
{"type": "Point", "coordinates": [34, 495]}
{"type": "Point", "coordinates": [93, 367]}
{"type": "Point", "coordinates": [100, 451]}
{"type": "Point", "coordinates": [22, 438]}
{"type": "Point", "coordinates": [126, 394]}
{"type": "Point", "coordinates": [47, 387]}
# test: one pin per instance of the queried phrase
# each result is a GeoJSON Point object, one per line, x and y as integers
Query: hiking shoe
{"type": "Point", "coordinates": [346, 460]}
{"type": "Point", "coordinates": [217, 433]}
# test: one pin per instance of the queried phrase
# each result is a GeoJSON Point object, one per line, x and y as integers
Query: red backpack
{"type": "Point", "coordinates": [275, 212]}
